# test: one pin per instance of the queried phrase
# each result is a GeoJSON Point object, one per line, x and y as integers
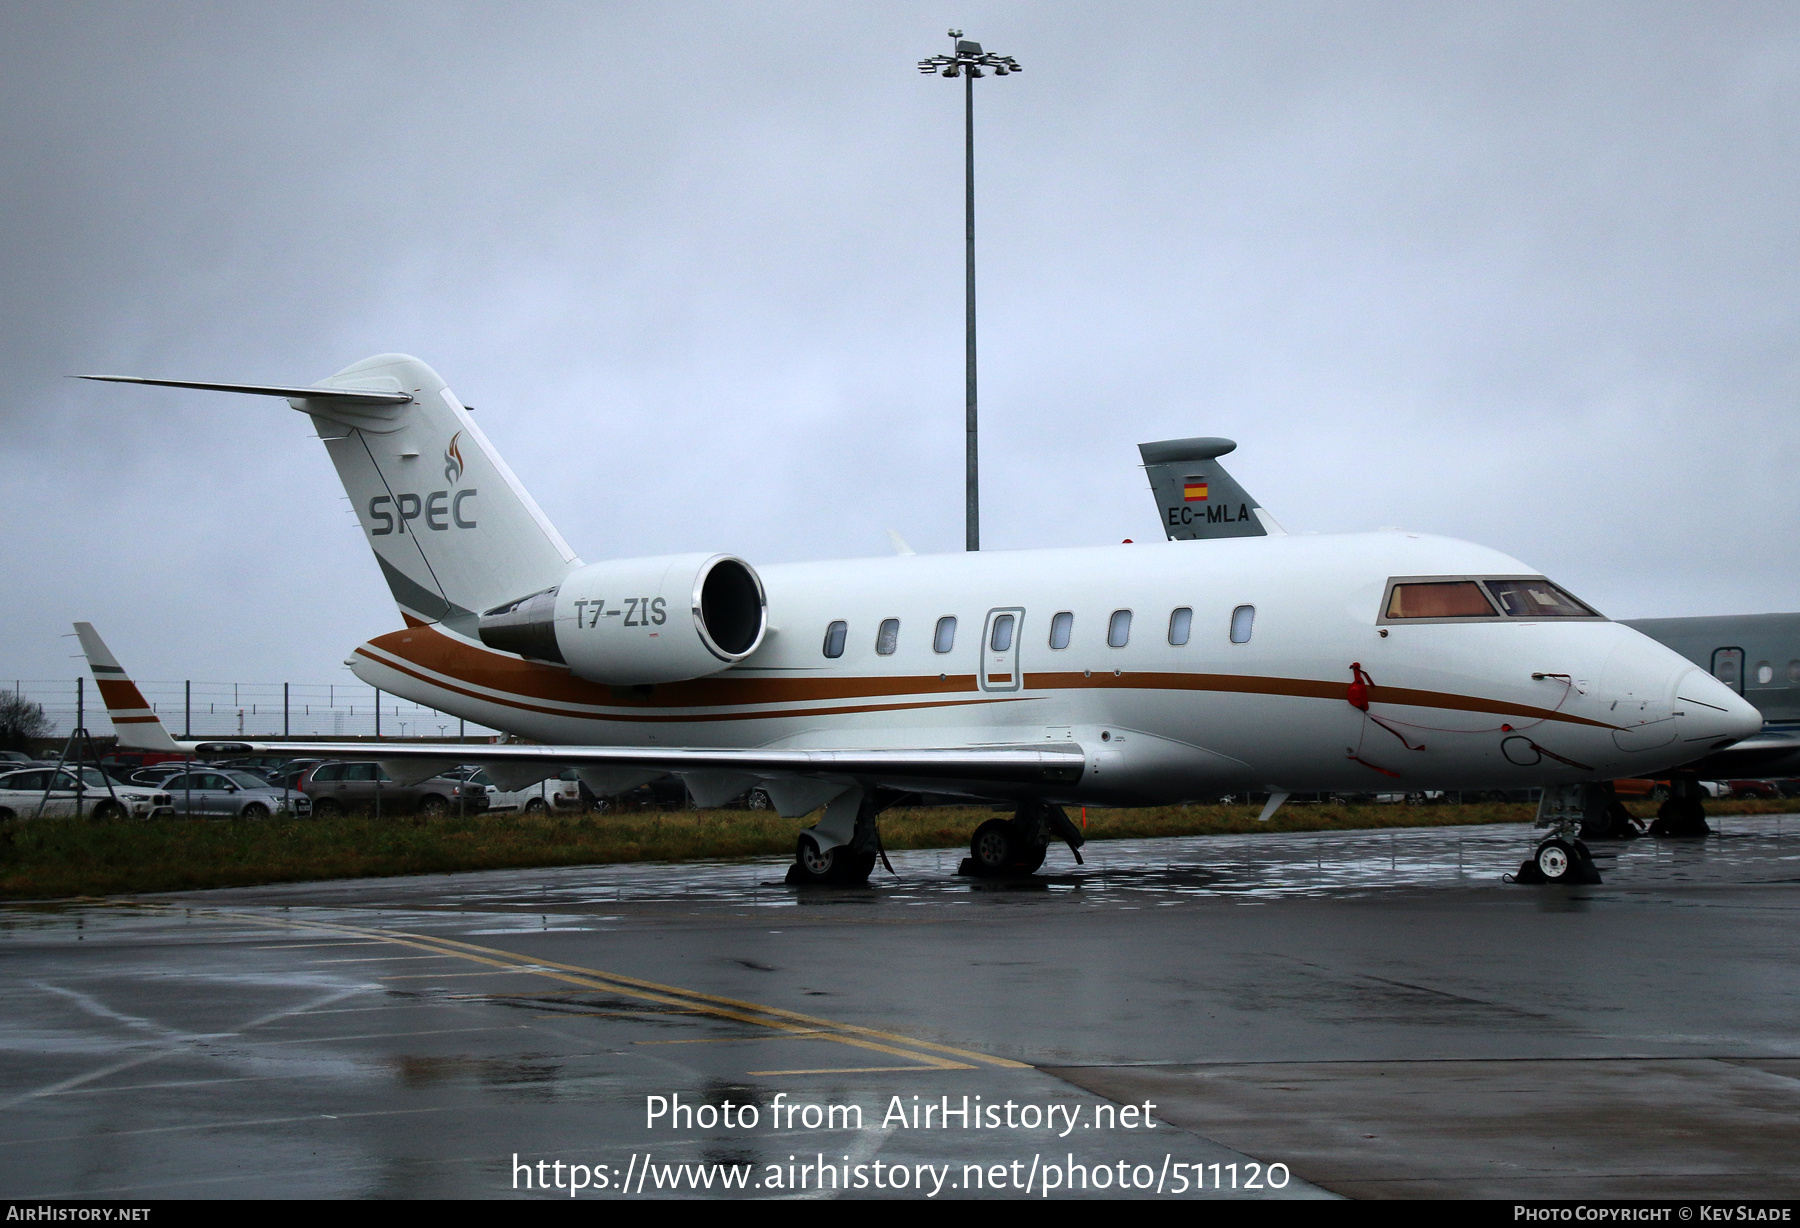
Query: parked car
{"type": "Point", "coordinates": [337, 786]}
{"type": "Point", "coordinates": [154, 776]}
{"type": "Point", "coordinates": [21, 793]}
{"type": "Point", "coordinates": [1753, 788]}
{"type": "Point", "coordinates": [289, 775]}
{"type": "Point", "coordinates": [14, 756]}
{"type": "Point", "coordinates": [232, 792]}
{"type": "Point", "coordinates": [556, 793]}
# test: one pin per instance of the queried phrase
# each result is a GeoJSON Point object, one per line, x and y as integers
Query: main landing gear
{"type": "Point", "coordinates": [1562, 857]}
{"type": "Point", "coordinates": [1016, 847]}
{"type": "Point", "coordinates": [1683, 814]}
{"type": "Point", "coordinates": [841, 849]}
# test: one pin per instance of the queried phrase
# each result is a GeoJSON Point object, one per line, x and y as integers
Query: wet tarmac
{"type": "Point", "coordinates": [1357, 1014]}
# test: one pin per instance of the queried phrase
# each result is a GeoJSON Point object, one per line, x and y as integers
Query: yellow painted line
{"type": "Point", "coordinates": [775, 1011]}
{"type": "Point", "coordinates": [591, 1014]}
{"type": "Point", "coordinates": [725, 1040]}
{"type": "Point", "coordinates": [445, 976]}
{"type": "Point", "coordinates": [735, 1009]}
{"type": "Point", "coordinates": [848, 1070]}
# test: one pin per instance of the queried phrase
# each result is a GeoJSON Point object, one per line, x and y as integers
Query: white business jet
{"type": "Point", "coordinates": [1122, 675]}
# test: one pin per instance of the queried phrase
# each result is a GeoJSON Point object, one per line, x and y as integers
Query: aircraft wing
{"type": "Point", "coordinates": [722, 772]}
{"type": "Point", "coordinates": [1059, 763]}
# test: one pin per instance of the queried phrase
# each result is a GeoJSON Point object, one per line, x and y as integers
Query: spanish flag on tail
{"type": "Point", "coordinates": [1193, 490]}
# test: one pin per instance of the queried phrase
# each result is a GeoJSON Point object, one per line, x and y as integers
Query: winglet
{"type": "Point", "coordinates": [138, 725]}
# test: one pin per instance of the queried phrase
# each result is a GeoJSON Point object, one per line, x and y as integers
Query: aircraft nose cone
{"type": "Point", "coordinates": [1712, 712]}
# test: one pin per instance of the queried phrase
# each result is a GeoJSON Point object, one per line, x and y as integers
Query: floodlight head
{"type": "Point", "coordinates": [1000, 71]}
{"type": "Point", "coordinates": [967, 48]}
{"type": "Point", "coordinates": [950, 71]}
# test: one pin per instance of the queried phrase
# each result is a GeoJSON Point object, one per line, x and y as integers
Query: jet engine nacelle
{"type": "Point", "coordinates": [630, 622]}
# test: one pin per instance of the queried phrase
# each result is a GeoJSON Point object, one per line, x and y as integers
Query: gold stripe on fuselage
{"type": "Point", "coordinates": [426, 654]}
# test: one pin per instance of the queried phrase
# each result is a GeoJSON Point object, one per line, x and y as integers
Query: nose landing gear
{"type": "Point", "coordinates": [1562, 857]}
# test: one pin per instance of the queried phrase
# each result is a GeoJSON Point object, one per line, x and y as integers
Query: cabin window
{"type": "Point", "coordinates": [1063, 624]}
{"type": "Point", "coordinates": [1001, 639]}
{"type": "Point", "coordinates": [944, 638]}
{"type": "Point", "coordinates": [1118, 629]}
{"type": "Point", "coordinates": [887, 637]}
{"type": "Point", "coordinates": [834, 638]}
{"type": "Point", "coordinates": [1443, 599]}
{"type": "Point", "coordinates": [1793, 673]}
{"type": "Point", "coordinates": [1765, 673]}
{"type": "Point", "coordinates": [1181, 624]}
{"type": "Point", "coordinates": [1242, 620]}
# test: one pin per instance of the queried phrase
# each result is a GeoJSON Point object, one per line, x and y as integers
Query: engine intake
{"type": "Point", "coordinates": [626, 622]}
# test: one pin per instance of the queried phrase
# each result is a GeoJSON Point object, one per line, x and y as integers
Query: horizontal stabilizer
{"type": "Point", "coordinates": [339, 396]}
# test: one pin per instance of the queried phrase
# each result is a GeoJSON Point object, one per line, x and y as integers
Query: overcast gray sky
{"type": "Point", "coordinates": [1520, 273]}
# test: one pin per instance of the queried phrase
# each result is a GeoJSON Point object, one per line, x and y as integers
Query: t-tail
{"type": "Point", "coordinates": [1196, 498]}
{"type": "Point", "coordinates": [452, 528]}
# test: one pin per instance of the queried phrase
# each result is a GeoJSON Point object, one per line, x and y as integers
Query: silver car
{"type": "Point", "coordinates": [231, 793]}
{"type": "Point", "coordinates": [21, 793]}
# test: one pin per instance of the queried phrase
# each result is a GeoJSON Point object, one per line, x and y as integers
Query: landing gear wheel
{"type": "Point", "coordinates": [835, 867]}
{"type": "Point", "coordinates": [1559, 861]}
{"type": "Point", "coordinates": [998, 849]}
{"type": "Point", "coordinates": [991, 847]}
{"type": "Point", "coordinates": [1556, 861]}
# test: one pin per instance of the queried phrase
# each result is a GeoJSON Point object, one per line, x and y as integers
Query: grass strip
{"type": "Point", "coordinates": [59, 858]}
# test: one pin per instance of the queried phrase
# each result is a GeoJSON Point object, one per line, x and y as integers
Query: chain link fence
{"type": "Point", "coordinates": [253, 710]}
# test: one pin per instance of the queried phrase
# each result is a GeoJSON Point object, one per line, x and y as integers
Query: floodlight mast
{"type": "Point", "coordinates": [968, 62]}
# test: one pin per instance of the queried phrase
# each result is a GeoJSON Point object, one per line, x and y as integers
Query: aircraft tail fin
{"type": "Point", "coordinates": [137, 724]}
{"type": "Point", "coordinates": [1196, 498]}
{"type": "Point", "coordinates": [453, 529]}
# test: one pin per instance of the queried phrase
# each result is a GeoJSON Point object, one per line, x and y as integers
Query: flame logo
{"type": "Point", "coordinates": [453, 462]}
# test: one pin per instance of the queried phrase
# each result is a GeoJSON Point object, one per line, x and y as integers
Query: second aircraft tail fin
{"type": "Point", "coordinates": [1195, 497]}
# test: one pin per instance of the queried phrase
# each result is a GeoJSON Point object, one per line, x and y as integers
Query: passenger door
{"type": "Point", "coordinates": [999, 668]}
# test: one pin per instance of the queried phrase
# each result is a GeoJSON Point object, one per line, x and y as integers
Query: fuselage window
{"type": "Point", "coordinates": [945, 637]}
{"type": "Point", "coordinates": [1001, 640]}
{"type": "Point", "coordinates": [1793, 673]}
{"type": "Point", "coordinates": [834, 638]}
{"type": "Point", "coordinates": [1064, 623]}
{"type": "Point", "coordinates": [1242, 620]}
{"type": "Point", "coordinates": [1118, 629]}
{"type": "Point", "coordinates": [1181, 622]}
{"type": "Point", "coordinates": [887, 637]}
{"type": "Point", "coordinates": [1765, 673]}
{"type": "Point", "coordinates": [1450, 599]}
